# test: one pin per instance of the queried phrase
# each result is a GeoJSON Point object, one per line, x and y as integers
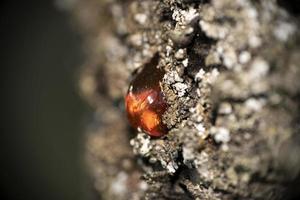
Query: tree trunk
{"type": "Point", "coordinates": [232, 85]}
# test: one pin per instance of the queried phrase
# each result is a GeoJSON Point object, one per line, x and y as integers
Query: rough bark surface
{"type": "Point", "coordinates": [232, 85]}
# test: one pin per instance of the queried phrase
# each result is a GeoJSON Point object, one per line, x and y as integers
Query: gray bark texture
{"type": "Point", "coordinates": [232, 86]}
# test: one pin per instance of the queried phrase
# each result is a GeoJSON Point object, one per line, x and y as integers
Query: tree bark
{"type": "Point", "coordinates": [232, 85]}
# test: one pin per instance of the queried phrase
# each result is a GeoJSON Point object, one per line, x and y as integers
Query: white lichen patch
{"type": "Point", "coordinates": [284, 30]}
{"type": "Point", "coordinates": [225, 108]}
{"type": "Point", "coordinates": [244, 57]}
{"type": "Point", "coordinates": [220, 134]}
{"type": "Point", "coordinates": [180, 54]}
{"type": "Point", "coordinates": [141, 18]}
{"type": "Point", "coordinates": [254, 41]}
{"type": "Point", "coordinates": [143, 185]}
{"type": "Point", "coordinates": [200, 75]}
{"type": "Point", "coordinates": [229, 56]}
{"type": "Point", "coordinates": [172, 167]}
{"type": "Point", "coordinates": [172, 77]}
{"type": "Point", "coordinates": [213, 75]}
{"type": "Point", "coordinates": [119, 186]}
{"type": "Point", "coordinates": [259, 69]}
{"type": "Point", "coordinates": [188, 153]}
{"type": "Point", "coordinates": [180, 88]}
{"type": "Point", "coordinates": [207, 77]}
{"type": "Point", "coordinates": [184, 17]}
{"type": "Point", "coordinates": [255, 104]}
{"type": "Point", "coordinates": [200, 130]}
{"type": "Point", "coordinates": [168, 50]}
{"type": "Point", "coordinates": [141, 144]}
{"type": "Point", "coordinates": [185, 62]}
{"type": "Point", "coordinates": [213, 31]}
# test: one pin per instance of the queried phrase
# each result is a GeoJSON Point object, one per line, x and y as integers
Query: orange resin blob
{"type": "Point", "coordinates": [145, 103]}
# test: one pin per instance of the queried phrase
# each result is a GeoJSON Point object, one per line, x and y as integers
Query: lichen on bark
{"type": "Point", "coordinates": [232, 86]}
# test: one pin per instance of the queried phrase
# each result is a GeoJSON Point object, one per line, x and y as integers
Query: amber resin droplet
{"type": "Point", "coordinates": [145, 103]}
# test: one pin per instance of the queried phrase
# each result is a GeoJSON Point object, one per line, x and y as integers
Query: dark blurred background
{"type": "Point", "coordinates": [43, 118]}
